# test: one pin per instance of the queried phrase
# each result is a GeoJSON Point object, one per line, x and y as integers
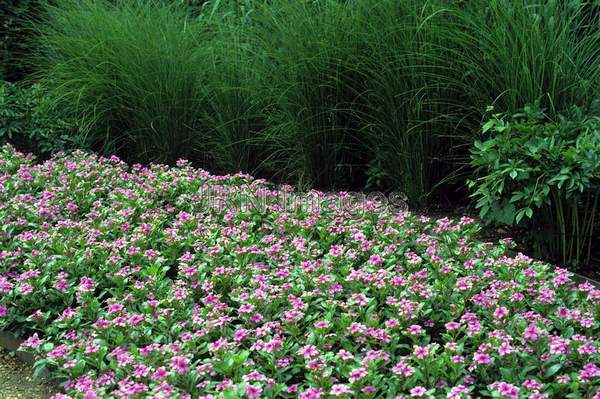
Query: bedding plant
{"type": "Point", "coordinates": [169, 282]}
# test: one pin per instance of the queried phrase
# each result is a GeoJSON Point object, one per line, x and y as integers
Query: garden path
{"type": "Point", "coordinates": [16, 380]}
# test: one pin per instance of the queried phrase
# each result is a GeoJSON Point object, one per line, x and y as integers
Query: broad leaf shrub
{"type": "Point", "coordinates": [29, 121]}
{"type": "Point", "coordinates": [169, 282]}
{"type": "Point", "coordinates": [542, 175]}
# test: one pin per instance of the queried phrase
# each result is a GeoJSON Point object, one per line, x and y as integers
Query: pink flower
{"type": "Point", "coordinates": [311, 393]}
{"type": "Point", "coordinates": [340, 389]}
{"type": "Point", "coordinates": [391, 323]}
{"type": "Point", "coordinates": [240, 334]}
{"type": "Point", "coordinates": [3, 311]}
{"type": "Point", "coordinates": [532, 384]}
{"type": "Point", "coordinates": [505, 389]}
{"type": "Point", "coordinates": [482, 358]}
{"type": "Point", "coordinates": [590, 370]}
{"type": "Point", "coordinates": [452, 325]}
{"type": "Point", "coordinates": [531, 333]}
{"type": "Point", "coordinates": [357, 374]}
{"type": "Point", "coordinates": [308, 351]}
{"type": "Point", "coordinates": [457, 359]}
{"type": "Point", "coordinates": [114, 308]}
{"type": "Point", "coordinates": [86, 284]}
{"type": "Point", "coordinates": [253, 392]}
{"type": "Point", "coordinates": [421, 352]}
{"type": "Point", "coordinates": [32, 342]}
{"type": "Point", "coordinates": [376, 260]}
{"type": "Point", "coordinates": [159, 374]}
{"type": "Point", "coordinates": [415, 329]}
{"type": "Point", "coordinates": [369, 389]}
{"type": "Point", "coordinates": [418, 391]}
{"type": "Point", "coordinates": [93, 348]}
{"type": "Point", "coordinates": [500, 312]}
{"type": "Point", "coordinates": [403, 369]}
{"type": "Point", "coordinates": [180, 364]}
{"type": "Point", "coordinates": [221, 343]}
{"type": "Point", "coordinates": [319, 325]}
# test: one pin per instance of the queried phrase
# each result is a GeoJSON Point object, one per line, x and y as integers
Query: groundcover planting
{"type": "Point", "coordinates": [165, 282]}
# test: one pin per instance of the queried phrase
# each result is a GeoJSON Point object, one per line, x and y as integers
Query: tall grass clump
{"type": "Point", "coordinates": [523, 51]}
{"type": "Point", "coordinates": [329, 93]}
{"type": "Point", "coordinates": [233, 104]}
{"type": "Point", "coordinates": [413, 97]}
{"type": "Point", "coordinates": [310, 85]}
{"type": "Point", "coordinates": [131, 71]}
{"type": "Point", "coordinates": [362, 92]}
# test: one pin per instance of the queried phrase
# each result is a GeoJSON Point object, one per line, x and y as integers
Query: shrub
{"type": "Point", "coordinates": [305, 91]}
{"type": "Point", "coordinates": [28, 120]}
{"type": "Point", "coordinates": [543, 175]}
{"type": "Point", "coordinates": [140, 282]}
{"type": "Point", "coordinates": [232, 113]}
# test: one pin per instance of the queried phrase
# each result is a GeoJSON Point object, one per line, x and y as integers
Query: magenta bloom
{"type": "Point", "coordinates": [415, 329]}
{"type": "Point", "coordinates": [182, 288]}
{"type": "Point", "coordinates": [253, 392]}
{"type": "Point", "coordinates": [482, 358]}
{"type": "Point", "coordinates": [180, 364]}
{"type": "Point", "coordinates": [340, 389]}
{"type": "Point", "coordinates": [319, 325]}
{"type": "Point", "coordinates": [418, 392]}
{"type": "Point", "coordinates": [32, 342]}
{"type": "Point", "coordinates": [160, 374]}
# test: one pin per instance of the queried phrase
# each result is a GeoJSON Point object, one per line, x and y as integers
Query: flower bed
{"type": "Point", "coordinates": [140, 281]}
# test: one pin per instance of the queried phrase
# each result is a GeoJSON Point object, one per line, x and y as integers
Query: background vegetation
{"type": "Point", "coordinates": [337, 94]}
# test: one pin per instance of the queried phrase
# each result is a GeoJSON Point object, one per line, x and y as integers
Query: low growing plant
{"type": "Point", "coordinates": [542, 175]}
{"type": "Point", "coordinates": [156, 282]}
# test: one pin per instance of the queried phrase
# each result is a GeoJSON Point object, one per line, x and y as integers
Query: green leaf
{"type": "Point", "coordinates": [550, 371]}
{"type": "Point", "coordinates": [488, 125]}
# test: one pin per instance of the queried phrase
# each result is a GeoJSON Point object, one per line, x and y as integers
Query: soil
{"type": "Point", "coordinates": [17, 382]}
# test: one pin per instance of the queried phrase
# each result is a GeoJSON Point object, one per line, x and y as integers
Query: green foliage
{"type": "Point", "coordinates": [543, 175]}
{"type": "Point", "coordinates": [413, 100]}
{"type": "Point", "coordinates": [330, 93]}
{"type": "Point", "coordinates": [28, 121]}
{"type": "Point", "coordinates": [131, 72]}
{"type": "Point", "coordinates": [311, 81]}
{"type": "Point", "coordinates": [349, 92]}
{"type": "Point", "coordinates": [15, 36]}
{"type": "Point", "coordinates": [524, 51]}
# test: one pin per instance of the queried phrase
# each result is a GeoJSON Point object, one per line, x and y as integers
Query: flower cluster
{"type": "Point", "coordinates": [130, 284]}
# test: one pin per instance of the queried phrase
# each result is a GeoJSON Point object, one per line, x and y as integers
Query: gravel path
{"type": "Point", "coordinates": [16, 380]}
